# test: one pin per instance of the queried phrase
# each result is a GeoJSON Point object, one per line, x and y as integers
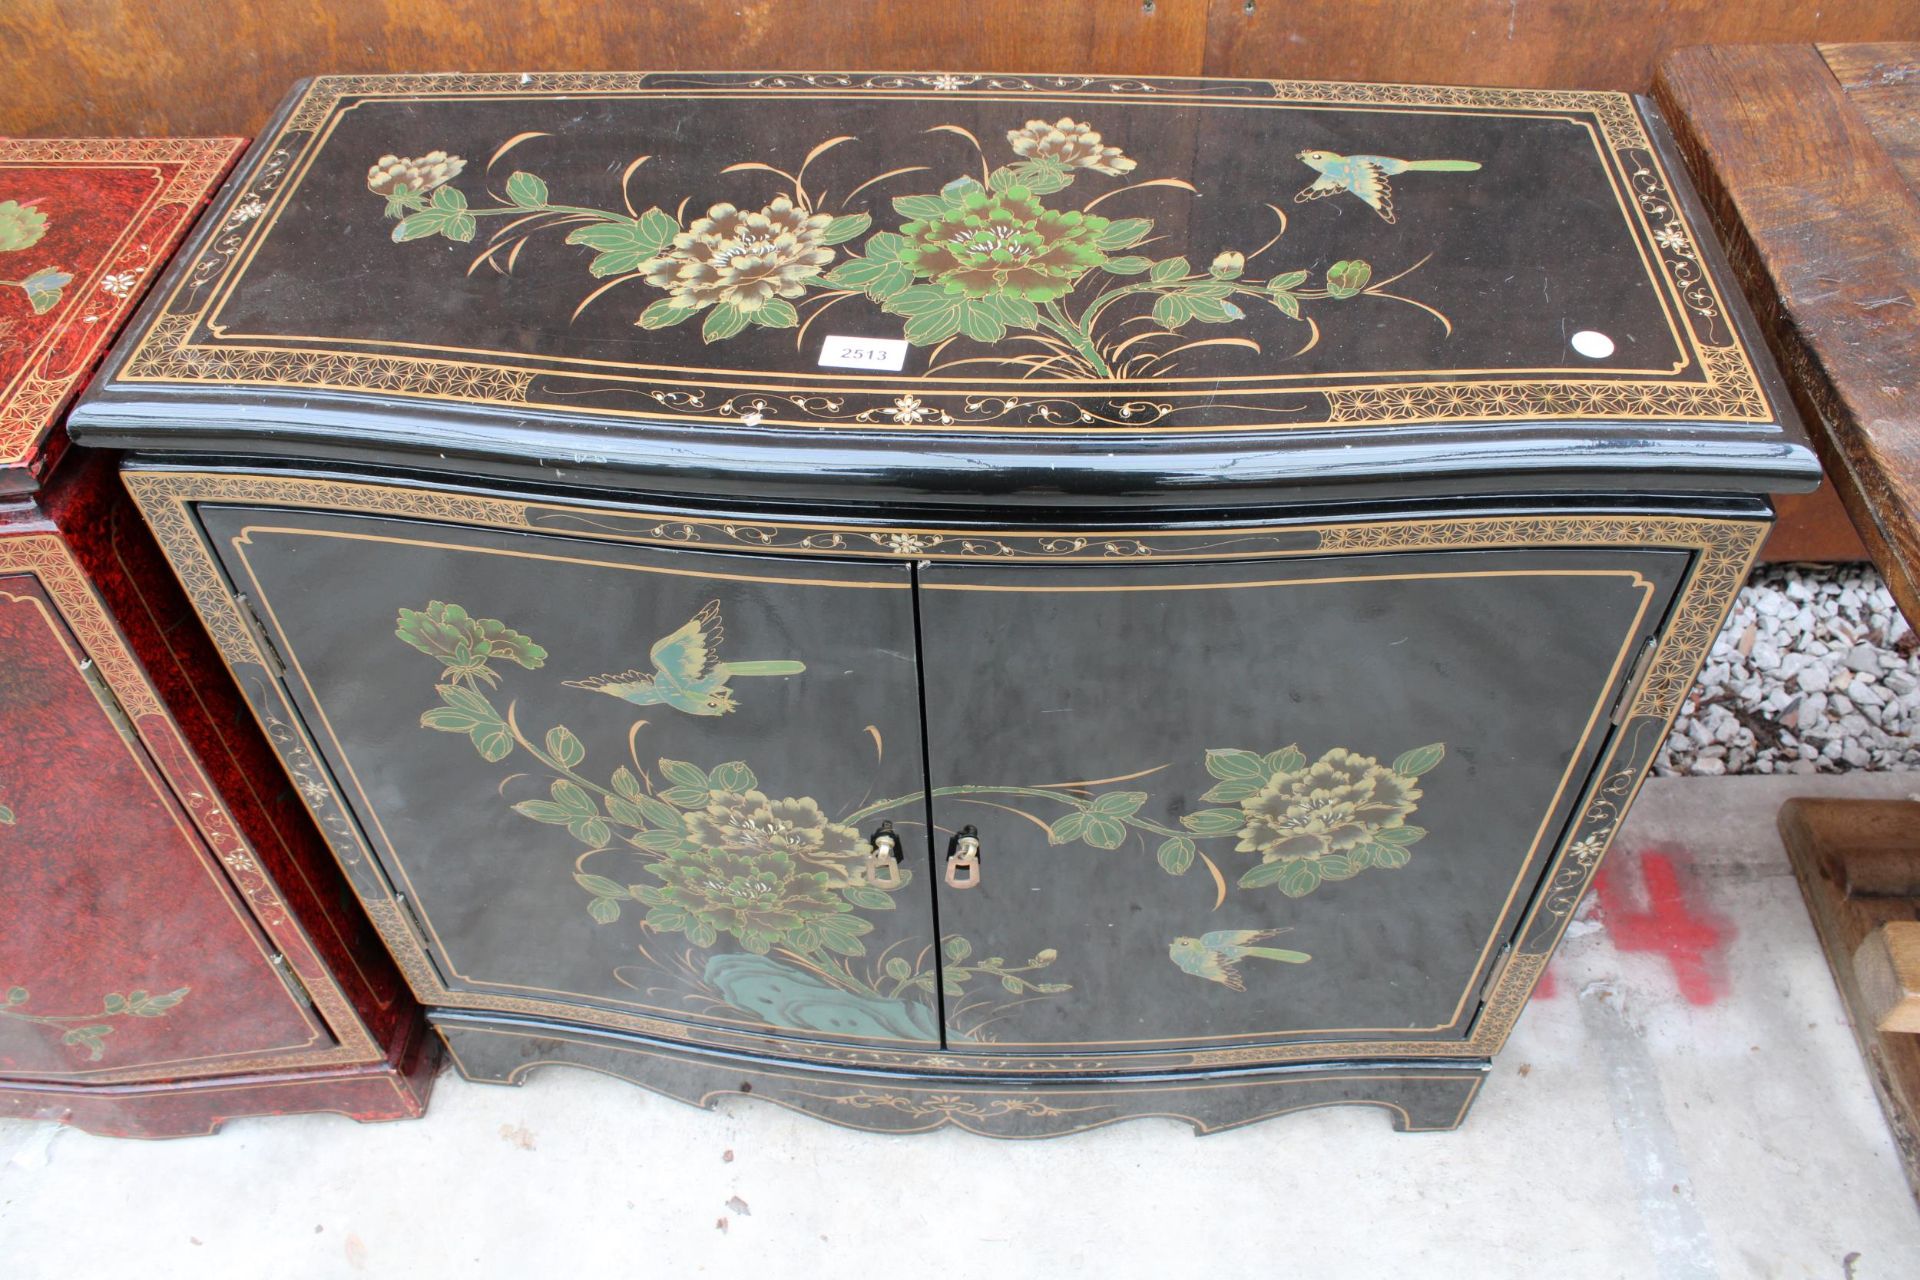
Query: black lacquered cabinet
{"type": "Point", "coordinates": [1008, 602]}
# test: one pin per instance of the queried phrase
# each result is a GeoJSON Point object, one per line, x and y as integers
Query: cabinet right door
{"type": "Point", "coordinates": [1228, 804]}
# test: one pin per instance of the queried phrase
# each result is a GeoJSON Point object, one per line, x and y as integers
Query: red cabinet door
{"type": "Point", "coordinates": [126, 952]}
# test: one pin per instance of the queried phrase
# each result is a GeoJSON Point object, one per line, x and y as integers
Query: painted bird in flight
{"type": "Point", "coordinates": [1215, 956]}
{"type": "Point", "coordinates": [687, 674]}
{"type": "Point", "coordinates": [1366, 176]}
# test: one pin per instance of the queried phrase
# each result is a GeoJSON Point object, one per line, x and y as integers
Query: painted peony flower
{"type": "Point", "coordinates": [1004, 242]}
{"type": "Point", "coordinates": [1069, 143]}
{"type": "Point", "coordinates": [743, 258]}
{"type": "Point", "coordinates": [391, 175]}
{"type": "Point", "coordinates": [794, 827]}
{"type": "Point", "coordinates": [1340, 801]}
{"type": "Point", "coordinates": [763, 899]}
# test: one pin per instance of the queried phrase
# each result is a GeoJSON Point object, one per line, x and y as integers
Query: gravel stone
{"type": "Point", "coordinates": [1816, 672]}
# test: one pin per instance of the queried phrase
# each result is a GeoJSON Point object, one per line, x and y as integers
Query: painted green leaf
{"type": "Point", "coordinates": [1015, 312]}
{"type": "Point", "coordinates": [6, 815]}
{"type": "Point", "coordinates": [16, 995]}
{"type": "Point", "coordinates": [1119, 804]}
{"type": "Point", "coordinates": [1175, 855]}
{"type": "Point", "coordinates": [1401, 835]}
{"type": "Point", "coordinates": [1232, 762]}
{"type": "Point", "coordinates": [663, 315]}
{"type": "Point", "coordinates": [1287, 281]}
{"type": "Point", "coordinates": [1345, 279]}
{"type": "Point", "coordinates": [1288, 304]}
{"type": "Point", "coordinates": [154, 1006]}
{"type": "Point", "coordinates": [951, 984]}
{"type": "Point", "coordinates": [1052, 988]}
{"type": "Point", "coordinates": [920, 208]}
{"type": "Point", "coordinates": [1286, 760]}
{"type": "Point", "coordinates": [544, 811]}
{"type": "Point", "coordinates": [1170, 311]}
{"type": "Point", "coordinates": [978, 321]}
{"type": "Point", "coordinates": [1232, 791]}
{"type": "Point", "coordinates": [625, 812]}
{"type": "Point", "coordinates": [1103, 832]}
{"type": "Point", "coordinates": [682, 774]}
{"type": "Point", "coordinates": [666, 918]}
{"type": "Point", "coordinates": [659, 841]}
{"type": "Point", "coordinates": [722, 322]}
{"type": "Point", "coordinates": [43, 289]}
{"type": "Point", "coordinates": [1213, 822]}
{"type": "Point", "coordinates": [899, 970]}
{"type": "Point", "coordinates": [933, 326]}
{"type": "Point", "coordinates": [658, 227]}
{"type": "Point", "coordinates": [776, 313]}
{"type": "Point", "coordinates": [564, 747]}
{"type": "Point", "coordinates": [921, 299]}
{"type": "Point", "coordinates": [856, 273]}
{"type": "Point", "coordinates": [449, 199]}
{"type": "Point", "coordinates": [1336, 866]}
{"type": "Point", "coordinates": [601, 886]}
{"type": "Point", "coordinates": [732, 776]}
{"type": "Point", "coordinates": [418, 226]}
{"type": "Point", "coordinates": [1420, 759]}
{"type": "Point", "coordinates": [700, 933]}
{"type": "Point", "coordinates": [604, 910]}
{"type": "Point", "coordinates": [1011, 984]}
{"type": "Point", "coordinates": [1214, 311]}
{"type": "Point", "coordinates": [1263, 874]}
{"type": "Point", "coordinates": [1299, 877]}
{"type": "Point", "coordinates": [626, 784]}
{"type": "Point", "coordinates": [845, 228]}
{"type": "Point", "coordinates": [526, 190]}
{"type": "Point", "coordinates": [841, 933]}
{"type": "Point", "coordinates": [1068, 829]}
{"type": "Point", "coordinates": [448, 720]}
{"type": "Point", "coordinates": [493, 740]}
{"type": "Point", "coordinates": [1041, 177]}
{"type": "Point", "coordinates": [884, 246]}
{"type": "Point", "coordinates": [955, 193]}
{"type": "Point", "coordinates": [1127, 266]}
{"type": "Point", "coordinates": [657, 814]}
{"type": "Point", "coordinates": [872, 899]}
{"type": "Point", "coordinates": [114, 1003]}
{"type": "Point", "coordinates": [1390, 856]}
{"type": "Point", "coordinates": [955, 948]}
{"type": "Point", "coordinates": [592, 832]}
{"type": "Point", "coordinates": [459, 226]}
{"type": "Point", "coordinates": [1169, 269]}
{"type": "Point", "coordinates": [1125, 232]}
{"type": "Point", "coordinates": [569, 796]}
{"type": "Point", "coordinates": [687, 797]}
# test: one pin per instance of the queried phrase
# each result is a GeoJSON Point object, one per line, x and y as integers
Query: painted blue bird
{"type": "Point", "coordinates": [1215, 956]}
{"type": "Point", "coordinates": [1366, 176]}
{"type": "Point", "coordinates": [687, 674]}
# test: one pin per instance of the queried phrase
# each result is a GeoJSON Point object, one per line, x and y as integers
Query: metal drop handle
{"type": "Point", "coordinates": [883, 863]}
{"type": "Point", "coordinates": [963, 860]}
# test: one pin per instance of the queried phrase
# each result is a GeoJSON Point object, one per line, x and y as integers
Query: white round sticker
{"type": "Point", "coordinates": [1594, 346]}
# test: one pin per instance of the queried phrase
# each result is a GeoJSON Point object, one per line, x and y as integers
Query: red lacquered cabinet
{"type": "Point", "coordinates": [176, 945]}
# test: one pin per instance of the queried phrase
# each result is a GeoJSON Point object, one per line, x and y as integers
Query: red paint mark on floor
{"type": "Point", "coordinates": [1548, 987]}
{"type": "Point", "coordinates": [1665, 919]}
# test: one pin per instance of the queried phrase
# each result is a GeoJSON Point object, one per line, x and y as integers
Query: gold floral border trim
{"type": "Point", "coordinates": [1729, 389]}
{"type": "Point", "coordinates": [48, 559]}
{"type": "Point", "coordinates": [1725, 551]}
{"type": "Point", "coordinates": [191, 168]}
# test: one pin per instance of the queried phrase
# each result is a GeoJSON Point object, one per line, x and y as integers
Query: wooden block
{"type": "Point", "coordinates": [1822, 838]}
{"type": "Point", "coordinates": [1887, 967]}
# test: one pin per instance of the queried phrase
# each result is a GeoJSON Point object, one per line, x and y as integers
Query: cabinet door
{"type": "Point", "coordinates": [1232, 804]}
{"type": "Point", "coordinates": [125, 952]}
{"type": "Point", "coordinates": [639, 780]}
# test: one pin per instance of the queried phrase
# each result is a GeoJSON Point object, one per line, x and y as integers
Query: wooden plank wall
{"type": "Point", "coordinates": [97, 67]}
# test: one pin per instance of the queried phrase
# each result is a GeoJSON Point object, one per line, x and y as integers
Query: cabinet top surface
{"type": "Point", "coordinates": [624, 272]}
{"type": "Point", "coordinates": [84, 224]}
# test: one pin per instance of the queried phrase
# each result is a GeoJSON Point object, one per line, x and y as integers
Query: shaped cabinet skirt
{"type": "Point", "coordinates": [606, 781]}
{"type": "Point", "coordinates": [1253, 803]}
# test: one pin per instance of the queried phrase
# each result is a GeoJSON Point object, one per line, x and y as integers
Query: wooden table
{"type": "Point", "coordinates": [1809, 158]}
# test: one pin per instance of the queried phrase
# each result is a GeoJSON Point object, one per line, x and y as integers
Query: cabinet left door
{"type": "Point", "coordinates": [126, 952]}
{"type": "Point", "coordinates": [623, 785]}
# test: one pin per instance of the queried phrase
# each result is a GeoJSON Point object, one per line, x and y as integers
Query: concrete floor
{"type": "Point", "coordinates": [1683, 1100]}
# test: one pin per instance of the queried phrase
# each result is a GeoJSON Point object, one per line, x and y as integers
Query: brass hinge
{"type": "Point", "coordinates": [1635, 678]}
{"type": "Point", "coordinates": [109, 702]}
{"type": "Point", "coordinates": [1499, 971]}
{"type": "Point", "coordinates": [292, 979]}
{"type": "Point", "coordinates": [262, 638]}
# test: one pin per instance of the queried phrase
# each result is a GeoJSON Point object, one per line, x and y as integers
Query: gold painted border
{"type": "Point", "coordinates": [187, 170]}
{"type": "Point", "coordinates": [163, 750]}
{"type": "Point", "coordinates": [1724, 550]}
{"type": "Point", "coordinates": [1729, 392]}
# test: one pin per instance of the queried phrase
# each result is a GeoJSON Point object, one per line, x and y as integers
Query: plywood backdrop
{"type": "Point", "coordinates": [79, 67]}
